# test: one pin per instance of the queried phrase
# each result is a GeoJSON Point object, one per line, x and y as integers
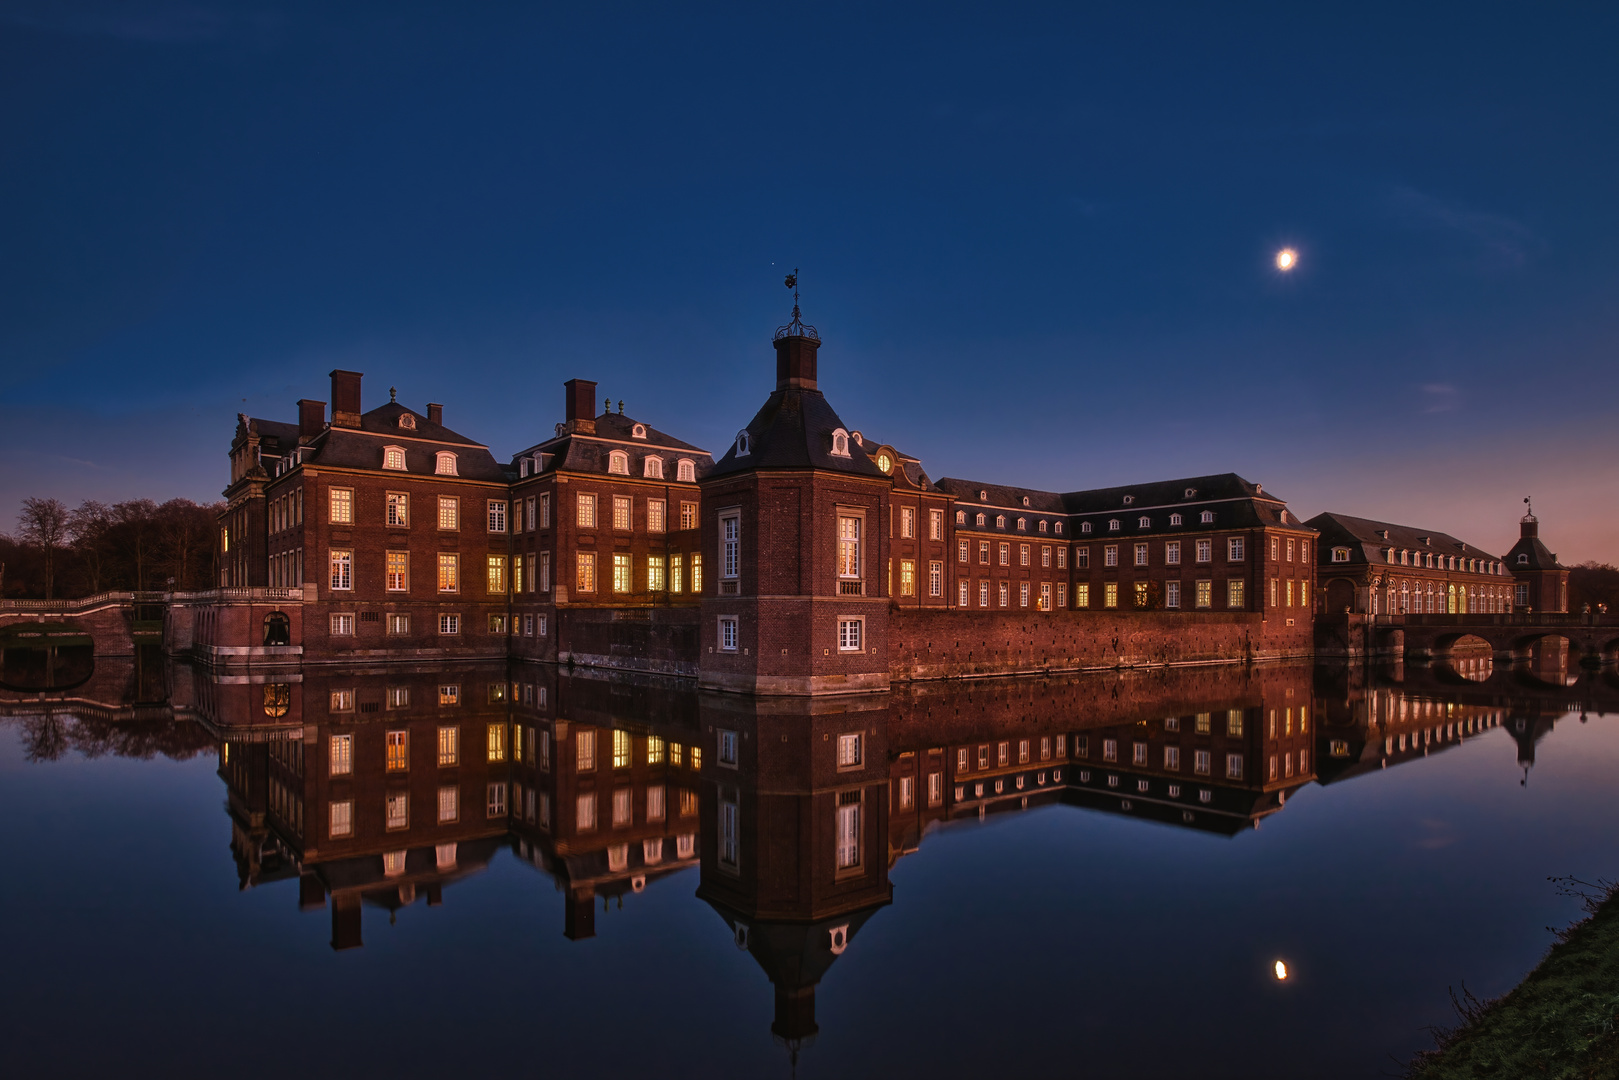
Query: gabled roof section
{"type": "Point", "coordinates": [384, 420]}
{"type": "Point", "coordinates": [1366, 541]}
{"type": "Point", "coordinates": [793, 430]}
{"type": "Point", "coordinates": [615, 431]}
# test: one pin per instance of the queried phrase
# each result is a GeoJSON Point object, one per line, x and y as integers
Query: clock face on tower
{"type": "Point", "coordinates": [884, 462]}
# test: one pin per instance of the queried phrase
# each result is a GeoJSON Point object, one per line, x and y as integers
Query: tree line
{"type": "Point", "coordinates": [62, 552]}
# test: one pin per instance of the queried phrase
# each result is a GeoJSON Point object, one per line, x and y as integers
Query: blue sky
{"type": "Point", "coordinates": [1037, 240]}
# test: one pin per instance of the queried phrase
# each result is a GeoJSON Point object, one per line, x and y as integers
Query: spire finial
{"type": "Point", "coordinates": [393, 395]}
{"type": "Point", "coordinates": [796, 328]}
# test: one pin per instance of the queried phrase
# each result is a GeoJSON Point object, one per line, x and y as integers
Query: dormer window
{"type": "Point", "coordinates": [652, 468]}
{"type": "Point", "coordinates": [1025, 500]}
{"type": "Point", "coordinates": [1084, 526]}
{"type": "Point", "coordinates": [1022, 524]}
{"type": "Point", "coordinates": [743, 444]}
{"type": "Point", "coordinates": [981, 521]}
{"type": "Point", "coordinates": [393, 457]}
{"type": "Point", "coordinates": [1058, 528]}
{"type": "Point", "coordinates": [1144, 522]}
{"type": "Point", "coordinates": [859, 439]}
{"type": "Point", "coordinates": [445, 465]}
{"type": "Point", "coordinates": [1284, 517]}
{"type": "Point", "coordinates": [1207, 517]}
{"type": "Point", "coordinates": [1113, 525]}
{"type": "Point", "coordinates": [1174, 519]}
{"type": "Point", "coordinates": [407, 421]}
{"type": "Point", "coordinates": [638, 431]}
{"type": "Point", "coordinates": [1523, 560]}
{"type": "Point", "coordinates": [840, 443]}
{"type": "Point", "coordinates": [982, 495]}
{"type": "Point", "coordinates": [618, 462]}
{"type": "Point", "coordinates": [1042, 525]}
{"type": "Point", "coordinates": [1129, 500]}
{"type": "Point", "coordinates": [686, 471]}
{"type": "Point", "coordinates": [1191, 493]}
{"type": "Point", "coordinates": [961, 517]}
{"type": "Point", "coordinates": [1340, 554]}
{"type": "Point", "coordinates": [1000, 521]}
{"type": "Point", "coordinates": [522, 467]}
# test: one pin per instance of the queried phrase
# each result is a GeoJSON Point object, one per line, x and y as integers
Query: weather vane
{"type": "Point", "coordinates": [797, 327]}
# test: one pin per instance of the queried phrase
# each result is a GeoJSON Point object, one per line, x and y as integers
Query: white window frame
{"type": "Point", "coordinates": [852, 634]}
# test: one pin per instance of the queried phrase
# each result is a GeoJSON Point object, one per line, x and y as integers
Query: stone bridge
{"type": "Point", "coordinates": [111, 622]}
{"type": "Point", "coordinates": [1510, 637]}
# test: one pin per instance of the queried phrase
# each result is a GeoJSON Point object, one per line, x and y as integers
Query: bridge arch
{"type": "Point", "coordinates": [45, 656]}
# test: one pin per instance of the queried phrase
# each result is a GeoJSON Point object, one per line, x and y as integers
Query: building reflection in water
{"type": "Point", "coordinates": [384, 786]}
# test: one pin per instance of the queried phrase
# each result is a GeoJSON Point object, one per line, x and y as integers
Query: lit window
{"type": "Point", "coordinates": [585, 751]}
{"type": "Point", "coordinates": [907, 522]}
{"type": "Point", "coordinates": [585, 578]}
{"type": "Point", "coordinates": [622, 745]}
{"type": "Point", "coordinates": [618, 462]}
{"type": "Point", "coordinates": [907, 577]}
{"type": "Point", "coordinates": [446, 464]}
{"type": "Point", "coordinates": [393, 457]}
{"type": "Point", "coordinates": [342, 755]}
{"type": "Point", "coordinates": [397, 508]}
{"type": "Point", "coordinates": [621, 573]}
{"type": "Point", "coordinates": [622, 518]}
{"type": "Point", "coordinates": [449, 572]}
{"type": "Point", "coordinates": [449, 746]}
{"type": "Point", "coordinates": [654, 573]}
{"type": "Point", "coordinates": [656, 514]}
{"type": "Point", "coordinates": [340, 816]}
{"type": "Point", "coordinates": [652, 467]}
{"type": "Point", "coordinates": [1341, 554]}
{"type": "Point", "coordinates": [398, 744]}
{"type": "Point", "coordinates": [686, 471]}
{"type": "Point", "coordinates": [1082, 596]}
{"type": "Point", "coordinates": [342, 570]}
{"type": "Point", "coordinates": [935, 524]}
{"type": "Point", "coordinates": [497, 515]}
{"type": "Point", "coordinates": [587, 511]}
{"type": "Point", "coordinates": [398, 571]}
{"type": "Point", "coordinates": [497, 575]}
{"type": "Point", "coordinates": [848, 547]}
{"type": "Point", "coordinates": [449, 512]}
{"type": "Point", "coordinates": [1235, 596]}
{"type": "Point", "coordinates": [1205, 594]}
{"type": "Point", "coordinates": [342, 504]}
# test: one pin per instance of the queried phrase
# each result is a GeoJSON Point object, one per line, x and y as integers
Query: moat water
{"type": "Point", "coordinates": [179, 896]}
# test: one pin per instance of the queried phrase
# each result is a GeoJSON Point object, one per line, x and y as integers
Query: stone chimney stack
{"type": "Point", "coordinates": [579, 401]}
{"type": "Point", "coordinates": [435, 413]}
{"type": "Point", "coordinates": [346, 398]}
{"type": "Point", "coordinates": [311, 419]}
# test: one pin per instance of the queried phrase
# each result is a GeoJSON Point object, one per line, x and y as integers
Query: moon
{"type": "Point", "coordinates": [1286, 259]}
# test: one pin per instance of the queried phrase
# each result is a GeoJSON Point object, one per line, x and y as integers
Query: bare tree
{"type": "Point", "coordinates": [43, 524]}
{"type": "Point", "coordinates": [134, 519]}
{"type": "Point", "coordinates": [87, 529]}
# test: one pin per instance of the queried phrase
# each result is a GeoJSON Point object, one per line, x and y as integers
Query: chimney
{"type": "Point", "coordinates": [795, 362]}
{"type": "Point", "coordinates": [435, 414]}
{"type": "Point", "coordinates": [579, 400]}
{"type": "Point", "coordinates": [311, 419]}
{"type": "Point", "coordinates": [346, 398]}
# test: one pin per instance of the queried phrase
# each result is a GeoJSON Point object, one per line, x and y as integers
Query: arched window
{"type": "Point", "coordinates": [1025, 500]}
{"type": "Point", "coordinates": [686, 471]}
{"type": "Point", "coordinates": [638, 431]}
{"type": "Point", "coordinates": [1129, 500]}
{"type": "Point", "coordinates": [277, 629]}
{"type": "Point", "coordinates": [982, 495]}
{"type": "Point", "coordinates": [1207, 517]}
{"type": "Point", "coordinates": [652, 468]}
{"type": "Point", "coordinates": [393, 457]}
{"type": "Point", "coordinates": [743, 444]}
{"type": "Point", "coordinates": [618, 462]}
{"type": "Point", "coordinates": [446, 464]}
{"type": "Point", "coordinates": [840, 443]}
{"type": "Point", "coordinates": [407, 421]}
{"type": "Point", "coordinates": [1174, 519]}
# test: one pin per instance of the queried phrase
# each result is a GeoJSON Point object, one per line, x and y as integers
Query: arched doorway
{"type": "Point", "coordinates": [1340, 596]}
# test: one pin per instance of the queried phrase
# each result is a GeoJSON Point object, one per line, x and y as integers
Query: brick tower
{"type": "Point", "coordinates": [1541, 581]}
{"type": "Point", "coordinates": [795, 521]}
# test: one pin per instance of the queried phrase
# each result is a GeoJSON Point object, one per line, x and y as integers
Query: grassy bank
{"type": "Point", "coordinates": [1560, 1022]}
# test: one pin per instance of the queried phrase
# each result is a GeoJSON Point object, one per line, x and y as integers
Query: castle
{"type": "Point", "coordinates": [807, 558]}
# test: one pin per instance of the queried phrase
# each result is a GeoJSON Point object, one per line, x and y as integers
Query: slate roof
{"type": "Point", "coordinates": [1365, 540]}
{"type": "Point", "coordinates": [1540, 557]}
{"type": "Point", "coordinates": [1003, 497]}
{"type": "Point", "coordinates": [588, 453]}
{"type": "Point", "coordinates": [1241, 503]}
{"type": "Point", "coordinates": [361, 448]}
{"type": "Point", "coordinates": [793, 430]}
